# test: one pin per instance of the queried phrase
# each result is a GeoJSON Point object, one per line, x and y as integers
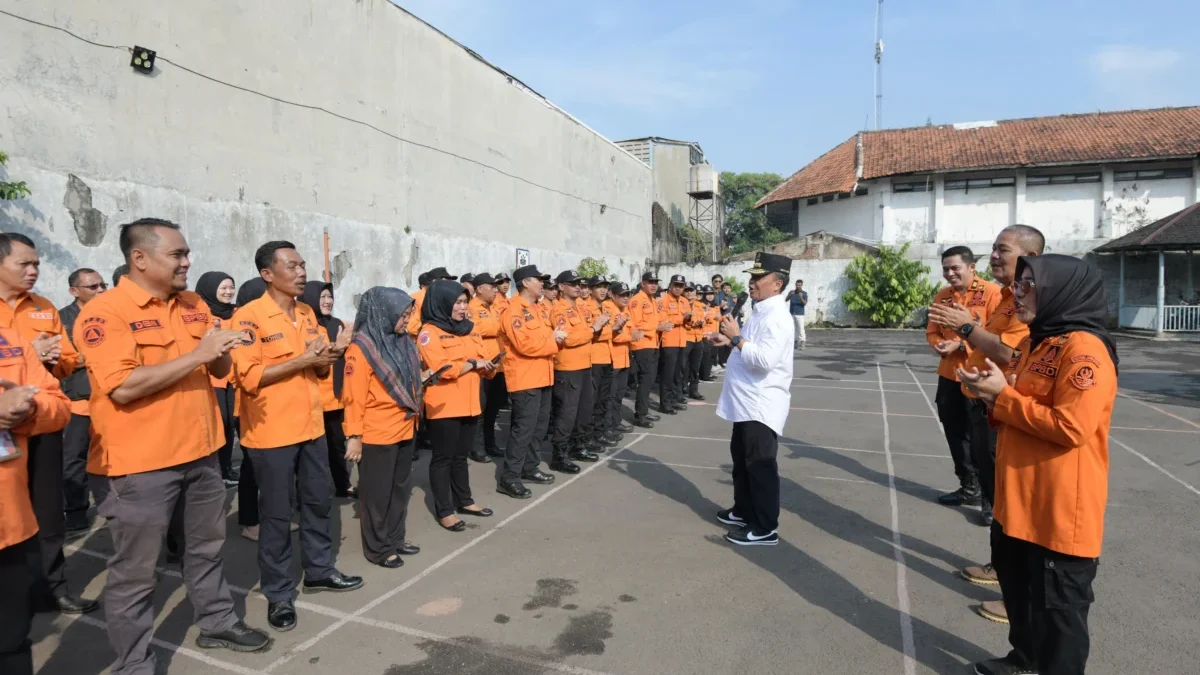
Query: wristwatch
{"type": "Point", "coordinates": [737, 340]}
{"type": "Point", "coordinates": [965, 330]}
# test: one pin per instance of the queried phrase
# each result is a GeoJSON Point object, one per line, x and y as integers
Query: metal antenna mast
{"type": "Point", "coordinates": [878, 64]}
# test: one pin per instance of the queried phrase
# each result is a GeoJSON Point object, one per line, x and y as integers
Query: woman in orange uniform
{"type": "Point", "coordinates": [452, 401]}
{"type": "Point", "coordinates": [319, 296]}
{"type": "Point", "coordinates": [1053, 413]}
{"type": "Point", "coordinates": [382, 395]}
{"type": "Point", "coordinates": [217, 289]}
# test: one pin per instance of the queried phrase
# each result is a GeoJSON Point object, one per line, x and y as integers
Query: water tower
{"type": "Point", "coordinates": [705, 214]}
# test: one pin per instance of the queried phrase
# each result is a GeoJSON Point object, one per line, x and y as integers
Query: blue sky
{"type": "Point", "coordinates": [769, 85]}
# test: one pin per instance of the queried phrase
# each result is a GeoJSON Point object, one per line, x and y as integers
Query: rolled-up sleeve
{"type": "Point", "coordinates": [248, 365]}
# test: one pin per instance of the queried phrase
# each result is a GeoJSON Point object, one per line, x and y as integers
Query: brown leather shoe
{"type": "Point", "coordinates": [993, 610]}
{"type": "Point", "coordinates": [984, 575]}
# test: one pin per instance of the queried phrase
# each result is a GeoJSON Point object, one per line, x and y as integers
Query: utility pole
{"type": "Point", "coordinates": [878, 64]}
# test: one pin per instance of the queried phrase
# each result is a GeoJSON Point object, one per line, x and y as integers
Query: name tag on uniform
{"type": "Point", "coordinates": [144, 324]}
{"type": "Point", "coordinates": [42, 316]}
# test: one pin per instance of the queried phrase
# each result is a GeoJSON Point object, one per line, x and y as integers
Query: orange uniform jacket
{"type": "Point", "coordinates": [671, 308]}
{"type": "Point", "coordinates": [33, 315]}
{"type": "Point", "coordinates": [454, 395]}
{"type": "Point", "coordinates": [576, 350]}
{"type": "Point", "coordinates": [414, 319]}
{"type": "Point", "coordinates": [20, 364]}
{"type": "Point", "coordinates": [620, 339]}
{"type": "Point", "coordinates": [643, 314]}
{"type": "Point", "coordinates": [1052, 449]}
{"type": "Point", "coordinates": [487, 326]}
{"type": "Point", "coordinates": [712, 320]}
{"type": "Point", "coordinates": [371, 412]}
{"type": "Point", "coordinates": [127, 328]}
{"type": "Point", "coordinates": [981, 297]}
{"type": "Point", "coordinates": [530, 338]}
{"type": "Point", "coordinates": [329, 402]}
{"type": "Point", "coordinates": [1002, 322]}
{"type": "Point", "coordinates": [695, 323]}
{"type": "Point", "coordinates": [602, 342]}
{"type": "Point", "coordinates": [288, 411]}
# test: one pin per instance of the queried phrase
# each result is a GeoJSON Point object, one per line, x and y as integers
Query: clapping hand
{"type": "Point", "coordinates": [947, 347]}
{"type": "Point", "coordinates": [16, 403]}
{"type": "Point", "coordinates": [987, 383]}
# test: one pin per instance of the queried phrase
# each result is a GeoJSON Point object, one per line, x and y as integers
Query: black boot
{"type": "Point", "coordinates": [966, 495]}
{"type": "Point", "coordinates": [562, 463]}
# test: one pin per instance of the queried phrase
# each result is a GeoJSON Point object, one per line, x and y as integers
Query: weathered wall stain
{"type": "Point", "coordinates": [340, 265]}
{"type": "Point", "coordinates": [90, 223]}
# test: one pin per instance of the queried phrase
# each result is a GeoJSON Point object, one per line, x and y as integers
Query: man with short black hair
{"type": "Point", "coordinates": [278, 368]}
{"type": "Point", "coordinates": [120, 271]}
{"type": "Point", "coordinates": [84, 285]}
{"type": "Point", "coordinates": [644, 317]}
{"type": "Point", "coordinates": [572, 374]}
{"type": "Point", "coordinates": [672, 308]}
{"type": "Point", "coordinates": [797, 300]}
{"type": "Point", "coordinates": [980, 298]}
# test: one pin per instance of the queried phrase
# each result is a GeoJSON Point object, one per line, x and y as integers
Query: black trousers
{"type": "Point", "coordinates": [754, 447]}
{"type": "Point", "coordinates": [572, 403]}
{"type": "Point", "coordinates": [335, 439]}
{"type": "Point", "coordinates": [983, 447]}
{"type": "Point", "coordinates": [707, 357]}
{"type": "Point", "coordinates": [277, 470]}
{"type": "Point", "coordinates": [668, 388]}
{"type": "Point", "coordinates": [495, 393]}
{"type": "Point", "coordinates": [952, 411]}
{"type": "Point", "coordinates": [16, 607]}
{"type": "Point", "coordinates": [46, 493]}
{"type": "Point", "coordinates": [76, 439]}
{"type": "Point", "coordinates": [530, 418]}
{"type": "Point", "coordinates": [449, 479]}
{"type": "Point", "coordinates": [620, 380]}
{"type": "Point", "coordinates": [645, 363]}
{"type": "Point", "coordinates": [225, 399]}
{"type": "Point", "coordinates": [723, 355]}
{"type": "Point", "coordinates": [1047, 595]}
{"type": "Point", "coordinates": [384, 487]}
{"type": "Point", "coordinates": [694, 351]}
{"type": "Point", "coordinates": [247, 494]}
{"type": "Point", "coordinates": [685, 358]}
{"type": "Point", "coordinates": [602, 376]}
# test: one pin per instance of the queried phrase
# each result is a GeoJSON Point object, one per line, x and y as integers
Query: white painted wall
{"type": "Point", "coordinates": [853, 217]}
{"type": "Point", "coordinates": [908, 217]}
{"type": "Point", "coordinates": [975, 215]}
{"type": "Point", "coordinates": [1138, 203]}
{"type": "Point", "coordinates": [236, 169]}
{"type": "Point", "coordinates": [1066, 211]}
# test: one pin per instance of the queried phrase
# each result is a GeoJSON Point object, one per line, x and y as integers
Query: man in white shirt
{"type": "Point", "coordinates": [756, 397]}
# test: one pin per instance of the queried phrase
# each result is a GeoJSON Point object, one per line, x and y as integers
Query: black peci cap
{"type": "Point", "coordinates": [523, 273]}
{"type": "Point", "coordinates": [678, 279]}
{"type": "Point", "coordinates": [766, 263]}
{"type": "Point", "coordinates": [601, 280]}
{"type": "Point", "coordinates": [440, 273]}
{"type": "Point", "coordinates": [467, 278]}
{"type": "Point", "coordinates": [619, 288]}
{"type": "Point", "coordinates": [650, 276]}
{"type": "Point", "coordinates": [485, 278]}
{"type": "Point", "coordinates": [567, 277]}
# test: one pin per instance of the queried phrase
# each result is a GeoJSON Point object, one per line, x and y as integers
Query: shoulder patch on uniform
{"type": "Point", "coordinates": [248, 335]}
{"type": "Point", "coordinates": [516, 324]}
{"type": "Point", "coordinates": [1085, 357]}
{"type": "Point", "coordinates": [1051, 355]}
{"type": "Point", "coordinates": [349, 369]}
{"type": "Point", "coordinates": [423, 338]}
{"type": "Point", "coordinates": [1043, 369]}
{"type": "Point", "coordinates": [93, 334]}
{"type": "Point", "coordinates": [527, 314]}
{"type": "Point", "coordinates": [248, 324]}
{"type": "Point", "coordinates": [561, 322]}
{"type": "Point", "coordinates": [1084, 378]}
{"type": "Point", "coordinates": [976, 299]}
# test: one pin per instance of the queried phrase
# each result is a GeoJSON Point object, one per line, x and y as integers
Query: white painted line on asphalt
{"type": "Point", "coordinates": [1165, 431]}
{"type": "Point", "coordinates": [1156, 408]}
{"type": "Point", "coordinates": [802, 445]}
{"type": "Point", "coordinates": [906, 632]}
{"type": "Point", "coordinates": [308, 644]}
{"type": "Point", "coordinates": [927, 401]}
{"type": "Point", "coordinates": [870, 389]}
{"type": "Point", "coordinates": [1154, 464]}
{"type": "Point", "coordinates": [861, 412]}
{"type": "Point", "coordinates": [178, 649]}
{"type": "Point", "coordinates": [721, 468]}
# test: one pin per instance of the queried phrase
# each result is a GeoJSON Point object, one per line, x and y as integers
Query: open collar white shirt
{"type": "Point", "coordinates": [758, 377]}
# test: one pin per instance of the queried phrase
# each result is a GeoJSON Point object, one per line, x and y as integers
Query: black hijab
{"type": "Point", "coordinates": [312, 298]}
{"type": "Point", "coordinates": [207, 288]}
{"type": "Point", "coordinates": [250, 291]}
{"type": "Point", "coordinates": [1070, 298]}
{"type": "Point", "coordinates": [439, 305]}
{"type": "Point", "coordinates": [392, 357]}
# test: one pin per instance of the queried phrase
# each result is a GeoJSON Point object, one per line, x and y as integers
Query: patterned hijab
{"type": "Point", "coordinates": [392, 357]}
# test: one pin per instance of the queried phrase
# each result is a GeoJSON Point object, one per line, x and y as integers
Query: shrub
{"type": "Point", "coordinates": [887, 287]}
{"type": "Point", "coordinates": [594, 267]}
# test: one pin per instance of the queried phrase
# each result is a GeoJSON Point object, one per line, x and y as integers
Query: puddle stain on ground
{"type": "Point", "coordinates": [550, 593]}
{"type": "Point", "coordinates": [570, 608]}
{"type": "Point", "coordinates": [502, 618]}
{"type": "Point", "coordinates": [585, 634]}
{"type": "Point", "coordinates": [627, 598]}
{"type": "Point", "coordinates": [465, 656]}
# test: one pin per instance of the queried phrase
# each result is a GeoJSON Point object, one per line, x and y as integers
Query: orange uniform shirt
{"type": "Point", "coordinates": [220, 382]}
{"type": "Point", "coordinates": [602, 342]}
{"type": "Point", "coordinates": [576, 351]}
{"type": "Point", "coordinates": [414, 319]}
{"type": "Point", "coordinates": [712, 321]}
{"type": "Point", "coordinates": [371, 412]}
{"type": "Point", "coordinates": [530, 338]}
{"type": "Point", "coordinates": [620, 339]}
{"type": "Point", "coordinates": [127, 328]}
{"type": "Point", "coordinates": [1004, 323]}
{"type": "Point", "coordinates": [695, 323]}
{"type": "Point", "coordinates": [643, 314]}
{"type": "Point", "coordinates": [1052, 449]}
{"type": "Point", "coordinates": [980, 297]}
{"type": "Point", "coordinates": [288, 411]}
{"type": "Point", "coordinates": [487, 326]}
{"type": "Point", "coordinates": [20, 364]}
{"type": "Point", "coordinates": [453, 395]}
{"type": "Point", "coordinates": [329, 401]}
{"type": "Point", "coordinates": [33, 315]}
{"type": "Point", "coordinates": [671, 309]}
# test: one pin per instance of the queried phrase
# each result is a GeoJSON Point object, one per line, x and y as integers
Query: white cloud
{"type": "Point", "coordinates": [1133, 60]}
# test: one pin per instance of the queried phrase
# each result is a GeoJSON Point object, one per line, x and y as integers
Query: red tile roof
{"type": "Point", "coordinates": [1064, 139]}
{"type": "Point", "coordinates": [1179, 231]}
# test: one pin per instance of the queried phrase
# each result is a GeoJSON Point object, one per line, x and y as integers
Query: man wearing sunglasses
{"type": "Point", "coordinates": [85, 284]}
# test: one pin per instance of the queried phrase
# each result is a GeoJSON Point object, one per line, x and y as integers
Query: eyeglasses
{"type": "Point", "coordinates": [1023, 286]}
{"type": "Point", "coordinates": [94, 287]}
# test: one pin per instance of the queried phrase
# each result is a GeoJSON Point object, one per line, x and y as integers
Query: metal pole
{"type": "Point", "coordinates": [1121, 292]}
{"type": "Point", "coordinates": [1162, 292]}
{"type": "Point", "coordinates": [878, 64]}
{"type": "Point", "coordinates": [1190, 286]}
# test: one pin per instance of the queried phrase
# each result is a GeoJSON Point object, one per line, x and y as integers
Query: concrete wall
{"type": "Point", "coordinates": [907, 216]}
{"type": "Point", "coordinates": [975, 215]}
{"type": "Point", "coordinates": [1070, 210]}
{"type": "Point", "coordinates": [671, 166]}
{"type": "Point", "coordinates": [100, 145]}
{"type": "Point", "coordinates": [853, 216]}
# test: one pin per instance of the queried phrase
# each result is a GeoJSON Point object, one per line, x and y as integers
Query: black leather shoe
{"type": "Point", "coordinates": [964, 496]}
{"type": "Point", "coordinates": [336, 582]}
{"type": "Point", "coordinates": [408, 549]}
{"type": "Point", "coordinates": [624, 428]}
{"type": "Point", "coordinates": [564, 465]}
{"type": "Point", "coordinates": [392, 562]}
{"type": "Point", "coordinates": [612, 440]}
{"type": "Point", "coordinates": [584, 456]}
{"type": "Point", "coordinates": [644, 423]}
{"type": "Point", "coordinates": [539, 478]}
{"type": "Point", "coordinates": [480, 457]}
{"type": "Point", "coordinates": [69, 604]}
{"type": "Point", "coordinates": [514, 490]}
{"type": "Point", "coordinates": [481, 513]}
{"type": "Point", "coordinates": [681, 407]}
{"type": "Point", "coordinates": [456, 527]}
{"type": "Point", "coordinates": [281, 615]}
{"type": "Point", "coordinates": [652, 417]}
{"type": "Point", "coordinates": [696, 396]}
{"type": "Point", "coordinates": [494, 452]}
{"type": "Point", "coordinates": [666, 410]}
{"type": "Point", "coordinates": [239, 637]}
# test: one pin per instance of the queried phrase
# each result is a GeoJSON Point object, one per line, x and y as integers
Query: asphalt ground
{"type": "Point", "coordinates": [622, 569]}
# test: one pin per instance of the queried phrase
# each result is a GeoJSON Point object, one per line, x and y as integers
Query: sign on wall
{"type": "Point", "coordinates": [522, 257]}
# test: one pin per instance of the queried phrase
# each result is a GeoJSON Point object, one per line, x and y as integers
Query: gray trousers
{"type": "Point", "coordinates": [139, 508]}
{"type": "Point", "coordinates": [276, 470]}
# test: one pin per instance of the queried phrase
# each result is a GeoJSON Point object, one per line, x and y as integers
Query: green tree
{"type": "Point", "coordinates": [594, 267]}
{"type": "Point", "coordinates": [746, 228]}
{"type": "Point", "coordinates": [9, 190]}
{"type": "Point", "coordinates": [887, 287]}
